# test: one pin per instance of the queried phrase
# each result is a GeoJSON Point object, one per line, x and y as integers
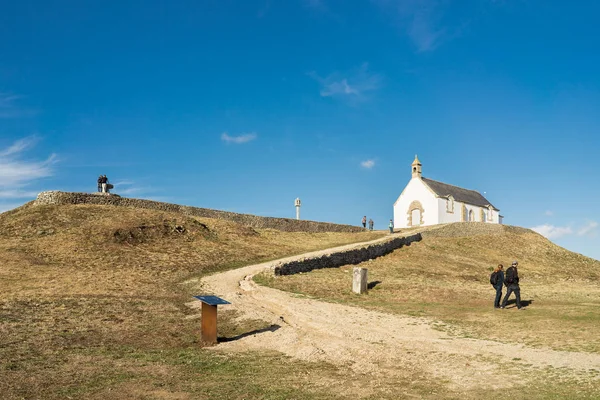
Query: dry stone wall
{"type": "Point", "coordinates": [282, 224]}
{"type": "Point", "coordinates": [351, 256]}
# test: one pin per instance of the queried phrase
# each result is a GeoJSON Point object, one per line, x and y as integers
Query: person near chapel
{"type": "Point", "coordinates": [371, 223]}
{"type": "Point", "coordinates": [364, 221]}
{"type": "Point", "coordinates": [497, 280]}
{"type": "Point", "coordinates": [391, 226]}
{"type": "Point", "coordinates": [100, 183]}
{"type": "Point", "coordinates": [511, 280]}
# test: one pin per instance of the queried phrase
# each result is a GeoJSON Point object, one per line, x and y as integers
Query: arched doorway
{"type": "Point", "coordinates": [415, 213]}
{"type": "Point", "coordinates": [471, 216]}
{"type": "Point", "coordinates": [416, 217]}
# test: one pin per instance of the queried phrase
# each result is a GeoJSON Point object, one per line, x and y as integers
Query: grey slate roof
{"type": "Point", "coordinates": [463, 195]}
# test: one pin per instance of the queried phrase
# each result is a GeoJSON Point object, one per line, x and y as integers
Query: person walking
{"type": "Point", "coordinates": [100, 183]}
{"type": "Point", "coordinates": [497, 280]}
{"type": "Point", "coordinates": [104, 183]}
{"type": "Point", "coordinates": [512, 285]}
{"type": "Point", "coordinates": [364, 221]}
{"type": "Point", "coordinates": [371, 223]}
{"type": "Point", "coordinates": [391, 226]}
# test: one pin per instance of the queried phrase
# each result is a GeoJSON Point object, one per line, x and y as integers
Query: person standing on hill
{"type": "Point", "coordinates": [364, 221]}
{"type": "Point", "coordinates": [512, 285]}
{"type": "Point", "coordinates": [104, 182]}
{"type": "Point", "coordinates": [371, 223]}
{"type": "Point", "coordinates": [100, 183]}
{"type": "Point", "coordinates": [497, 279]}
{"type": "Point", "coordinates": [391, 226]}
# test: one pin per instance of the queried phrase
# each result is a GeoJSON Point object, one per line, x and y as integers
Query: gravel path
{"type": "Point", "coordinates": [378, 344]}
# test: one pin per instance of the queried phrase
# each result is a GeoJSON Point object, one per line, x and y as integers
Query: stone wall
{"type": "Point", "coordinates": [282, 224]}
{"type": "Point", "coordinates": [351, 256]}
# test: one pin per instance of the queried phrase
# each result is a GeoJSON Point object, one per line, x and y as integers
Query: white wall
{"type": "Point", "coordinates": [446, 217]}
{"type": "Point", "coordinates": [493, 217]}
{"type": "Point", "coordinates": [416, 190]}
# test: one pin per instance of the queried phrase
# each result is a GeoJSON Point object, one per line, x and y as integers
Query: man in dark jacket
{"type": "Point", "coordinates": [100, 183]}
{"type": "Point", "coordinates": [511, 281]}
{"type": "Point", "coordinates": [497, 284]}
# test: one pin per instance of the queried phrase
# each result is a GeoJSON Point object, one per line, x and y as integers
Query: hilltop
{"type": "Point", "coordinates": [96, 299]}
{"type": "Point", "coordinates": [136, 246]}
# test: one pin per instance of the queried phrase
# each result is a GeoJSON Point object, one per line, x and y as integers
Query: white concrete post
{"type": "Point", "coordinates": [297, 203]}
{"type": "Point", "coordinates": [359, 280]}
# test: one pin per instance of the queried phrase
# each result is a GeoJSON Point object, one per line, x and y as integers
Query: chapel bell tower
{"type": "Point", "coordinates": [416, 168]}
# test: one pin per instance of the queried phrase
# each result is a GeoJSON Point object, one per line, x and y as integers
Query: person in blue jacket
{"type": "Point", "coordinates": [497, 280]}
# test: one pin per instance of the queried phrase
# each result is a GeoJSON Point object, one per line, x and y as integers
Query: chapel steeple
{"type": "Point", "coordinates": [416, 168]}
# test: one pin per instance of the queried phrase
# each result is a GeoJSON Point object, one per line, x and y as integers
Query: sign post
{"type": "Point", "coordinates": [209, 317]}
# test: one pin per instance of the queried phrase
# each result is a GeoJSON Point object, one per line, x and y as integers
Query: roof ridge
{"type": "Point", "coordinates": [449, 184]}
{"type": "Point", "coordinates": [468, 196]}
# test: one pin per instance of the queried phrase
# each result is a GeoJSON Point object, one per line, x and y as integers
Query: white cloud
{"type": "Point", "coordinates": [429, 23]}
{"type": "Point", "coordinates": [420, 20]}
{"type": "Point", "coordinates": [423, 31]}
{"type": "Point", "coordinates": [551, 231]}
{"type": "Point", "coordinates": [9, 108]}
{"type": "Point", "coordinates": [16, 173]}
{"type": "Point", "coordinates": [589, 229]}
{"type": "Point", "coordinates": [549, 213]}
{"type": "Point", "coordinates": [353, 85]}
{"type": "Point", "coordinates": [127, 187]}
{"type": "Point", "coordinates": [19, 146]}
{"type": "Point", "coordinates": [342, 87]}
{"type": "Point", "coordinates": [368, 164]}
{"type": "Point", "coordinates": [244, 138]}
{"type": "Point", "coordinates": [17, 194]}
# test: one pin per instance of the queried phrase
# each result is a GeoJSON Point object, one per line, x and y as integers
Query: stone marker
{"type": "Point", "coordinates": [359, 280]}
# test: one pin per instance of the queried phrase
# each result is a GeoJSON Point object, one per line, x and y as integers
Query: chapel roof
{"type": "Point", "coordinates": [459, 194]}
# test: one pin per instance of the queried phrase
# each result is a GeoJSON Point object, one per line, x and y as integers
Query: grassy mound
{"type": "Point", "coordinates": [446, 277]}
{"type": "Point", "coordinates": [93, 301]}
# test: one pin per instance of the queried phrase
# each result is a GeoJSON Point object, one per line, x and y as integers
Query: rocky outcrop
{"type": "Point", "coordinates": [255, 221]}
{"type": "Point", "coordinates": [351, 256]}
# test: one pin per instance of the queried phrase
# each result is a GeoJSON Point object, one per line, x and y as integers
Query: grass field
{"type": "Point", "coordinates": [444, 278]}
{"type": "Point", "coordinates": [93, 306]}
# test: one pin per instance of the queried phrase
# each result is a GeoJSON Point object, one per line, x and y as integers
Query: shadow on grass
{"type": "Point", "coordinates": [271, 328]}
{"type": "Point", "coordinates": [371, 285]}
{"type": "Point", "coordinates": [524, 303]}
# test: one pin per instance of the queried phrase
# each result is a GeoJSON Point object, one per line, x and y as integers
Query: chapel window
{"type": "Point", "coordinates": [450, 204]}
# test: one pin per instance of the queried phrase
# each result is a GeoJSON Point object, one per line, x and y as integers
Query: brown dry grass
{"type": "Point", "coordinates": [446, 277]}
{"type": "Point", "coordinates": [92, 305]}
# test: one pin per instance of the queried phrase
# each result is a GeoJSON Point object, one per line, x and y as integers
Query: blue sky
{"type": "Point", "coordinates": [246, 105]}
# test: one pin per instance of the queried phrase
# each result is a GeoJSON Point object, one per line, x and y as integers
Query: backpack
{"type": "Point", "coordinates": [511, 276]}
{"type": "Point", "coordinates": [494, 278]}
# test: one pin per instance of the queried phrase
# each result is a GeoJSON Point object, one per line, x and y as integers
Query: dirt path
{"type": "Point", "coordinates": [374, 343]}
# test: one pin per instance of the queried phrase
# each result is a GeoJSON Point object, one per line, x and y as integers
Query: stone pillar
{"type": "Point", "coordinates": [359, 280]}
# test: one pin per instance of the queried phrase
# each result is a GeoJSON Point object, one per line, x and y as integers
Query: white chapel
{"type": "Point", "coordinates": [427, 202]}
